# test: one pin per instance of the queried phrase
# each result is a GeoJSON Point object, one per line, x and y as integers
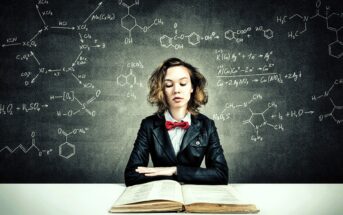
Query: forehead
{"type": "Point", "coordinates": [177, 72]}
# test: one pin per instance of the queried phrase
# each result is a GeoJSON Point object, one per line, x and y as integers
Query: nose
{"type": "Point", "coordinates": [177, 88]}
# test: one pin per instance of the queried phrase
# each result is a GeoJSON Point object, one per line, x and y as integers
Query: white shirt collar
{"type": "Point", "coordinates": [169, 117]}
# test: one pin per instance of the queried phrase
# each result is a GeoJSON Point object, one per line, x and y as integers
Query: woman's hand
{"type": "Point", "coordinates": [157, 171]}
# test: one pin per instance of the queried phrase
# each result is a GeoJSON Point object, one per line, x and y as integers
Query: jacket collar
{"type": "Point", "coordinates": [162, 136]}
{"type": "Point", "coordinates": [192, 132]}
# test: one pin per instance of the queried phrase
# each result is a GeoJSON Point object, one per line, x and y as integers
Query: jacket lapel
{"type": "Point", "coordinates": [162, 136]}
{"type": "Point", "coordinates": [191, 133]}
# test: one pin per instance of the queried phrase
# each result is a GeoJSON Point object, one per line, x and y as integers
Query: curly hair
{"type": "Point", "coordinates": [156, 84]}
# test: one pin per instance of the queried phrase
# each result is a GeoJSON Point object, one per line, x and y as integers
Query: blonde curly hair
{"type": "Point", "coordinates": [156, 85]}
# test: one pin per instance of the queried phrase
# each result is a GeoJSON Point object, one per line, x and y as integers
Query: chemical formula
{"type": "Point", "coordinates": [129, 22]}
{"type": "Point", "coordinates": [239, 35]}
{"type": "Point", "coordinates": [66, 149]}
{"type": "Point", "coordinates": [128, 78]}
{"type": "Point", "coordinates": [334, 93]}
{"type": "Point", "coordinates": [241, 69]}
{"type": "Point", "coordinates": [177, 41]}
{"type": "Point", "coordinates": [270, 116]}
{"type": "Point", "coordinates": [25, 150]}
{"type": "Point", "coordinates": [335, 48]}
{"type": "Point", "coordinates": [45, 67]}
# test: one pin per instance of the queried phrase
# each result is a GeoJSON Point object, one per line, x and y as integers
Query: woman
{"type": "Point", "coordinates": [177, 136]}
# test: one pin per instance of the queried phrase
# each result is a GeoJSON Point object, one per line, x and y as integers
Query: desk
{"type": "Point", "coordinates": [96, 199]}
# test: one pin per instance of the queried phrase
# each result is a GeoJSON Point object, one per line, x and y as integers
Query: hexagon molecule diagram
{"type": "Point", "coordinates": [129, 22]}
{"type": "Point", "coordinates": [67, 149]}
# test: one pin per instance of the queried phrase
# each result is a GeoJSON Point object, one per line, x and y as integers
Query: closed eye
{"type": "Point", "coordinates": [168, 84]}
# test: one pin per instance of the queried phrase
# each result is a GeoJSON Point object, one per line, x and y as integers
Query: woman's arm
{"type": "Point", "coordinates": [140, 158]}
{"type": "Point", "coordinates": [216, 171]}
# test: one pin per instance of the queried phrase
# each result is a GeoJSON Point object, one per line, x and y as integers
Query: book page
{"type": "Point", "coordinates": [216, 194]}
{"type": "Point", "coordinates": [155, 190]}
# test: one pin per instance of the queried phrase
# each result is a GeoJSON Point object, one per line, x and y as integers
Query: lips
{"type": "Point", "coordinates": [177, 99]}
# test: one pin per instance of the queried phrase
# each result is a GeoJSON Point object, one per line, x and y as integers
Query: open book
{"type": "Point", "coordinates": [169, 195]}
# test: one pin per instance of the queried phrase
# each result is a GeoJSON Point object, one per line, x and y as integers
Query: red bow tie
{"type": "Point", "coordinates": [171, 125]}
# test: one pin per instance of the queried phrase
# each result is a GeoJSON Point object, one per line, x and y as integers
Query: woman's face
{"type": "Point", "coordinates": [177, 87]}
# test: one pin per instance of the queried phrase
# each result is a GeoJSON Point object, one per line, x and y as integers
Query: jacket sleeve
{"type": "Point", "coordinates": [140, 157]}
{"type": "Point", "coordinates": [216, 171]}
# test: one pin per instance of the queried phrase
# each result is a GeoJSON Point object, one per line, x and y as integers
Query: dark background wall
{"type": "Point", "coordinates": [73, 84]}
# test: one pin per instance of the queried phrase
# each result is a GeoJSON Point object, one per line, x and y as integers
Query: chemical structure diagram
{"type": "Point", "coordinates": [334, 93]}
{"type": "Point", "coordinates": [238, 35]}
{"type": "Point", "coordinates": [129, 80]}
{"type": "Point", "coordinates": [335, 48]}
{"type": "Point", "coordinates": [226, 114]}
{"type": "Point", "coordinates": [260, 119]}
{"type": "Point", "coordinates": [129, 22]}
{"type": "Point", "coordinates": [25, 150]}
{"type": "Point", "coordinates": [70, 96]}
{"type": "Point", "coordinates": [257, 119]}
{"type": "Point", "coordinates": [87, 43]}
{"type": "Point", "coordinates": [193, 39]}
{"type": "Point", "coordinates": [67, 149]}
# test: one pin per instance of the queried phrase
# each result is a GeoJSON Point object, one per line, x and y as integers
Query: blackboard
{"type": "Point", "coordinates": [73, 84]}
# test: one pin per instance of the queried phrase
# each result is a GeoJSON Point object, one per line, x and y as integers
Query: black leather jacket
{"type": "Point", "coordinates": [200, 140]}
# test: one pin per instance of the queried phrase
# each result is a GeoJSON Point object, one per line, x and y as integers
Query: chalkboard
{"type": "Point", "coordinates": [73, 84]}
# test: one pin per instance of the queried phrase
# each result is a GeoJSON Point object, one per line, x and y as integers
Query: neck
{"type": "Point", "coordinates": [178, 114]}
